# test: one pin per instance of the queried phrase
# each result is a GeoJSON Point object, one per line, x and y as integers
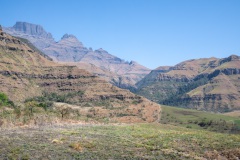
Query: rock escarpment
{"type": "Point", "coordinates": [206, 84]}
{"type": "Point", "coordinates": [24, 73]}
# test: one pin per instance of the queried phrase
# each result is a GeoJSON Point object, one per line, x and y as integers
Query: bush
{"type": "Point", "coordinates": [47, 99]}
{"type": "Point", "coordinates": [45, 105]}
{"type": "Point", "coordinates": [4, 101]}
{"type": "Point", "coordinates": [189, 126]}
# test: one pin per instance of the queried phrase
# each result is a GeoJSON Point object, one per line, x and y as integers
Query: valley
{"type": "Point", "coordinates": [60, 100]}
{"type": "Point", "coordinates": [208, 84]}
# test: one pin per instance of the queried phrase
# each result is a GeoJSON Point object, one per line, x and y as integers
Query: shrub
{"type": "Point", "coordinates": [47, 99]}
{"type": "Point", "coordinates": [45, 105]}
{"type": "Point", "coordinates": [4, 101]}
{"type": "Point", "coordinates": [189, 126]}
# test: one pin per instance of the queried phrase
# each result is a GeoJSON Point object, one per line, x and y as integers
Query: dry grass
{"type": "Point", "coordinates": [139, 141]}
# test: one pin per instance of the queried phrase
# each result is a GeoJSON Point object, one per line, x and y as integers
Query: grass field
{"type": "Point", "coordinates": [181, 134]}
{"type": "Point", "coordinates": [200, 120]}
{"type": "Point", "coordinates": [139, 141]}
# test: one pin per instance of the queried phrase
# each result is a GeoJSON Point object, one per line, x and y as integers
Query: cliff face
{"type": "Point", "coordinates": [70, 50]}
{"type": "Point", "coordinates": [34, 33]}
{"type": "Point", "coordinates": [24, 73]}
{"type": "Point", "coordinates": [206, 84]}
{"type": "Point", "coordinates": [32, 29]}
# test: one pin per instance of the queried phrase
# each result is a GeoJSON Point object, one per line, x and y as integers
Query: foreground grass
{"type": "Point", "coordinates": [139, 141]}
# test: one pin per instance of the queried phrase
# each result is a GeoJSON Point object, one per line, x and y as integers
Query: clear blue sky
{"type": "Point", "coordinates": [151, 32]}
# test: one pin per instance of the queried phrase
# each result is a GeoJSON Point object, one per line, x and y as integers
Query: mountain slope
{"type": "Point", "coordinates": [69, 49]}
{"type": "Point", "coordinates": [24, 73]}
{"type": "Point", "coordinates": [206, 84]}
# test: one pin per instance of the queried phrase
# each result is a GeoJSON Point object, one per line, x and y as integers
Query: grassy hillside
{"type": "Point", "coordinates": [208, 84]}
{"type": "Point", "coordinates": [139, 141]}
{"type": "Point", "coordinates": [200, 120]}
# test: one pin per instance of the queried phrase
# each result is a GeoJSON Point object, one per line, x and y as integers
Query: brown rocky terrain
{"type": "Point", "coordinates": [210, 84]}
{"type": "Point", "coordinates": [70, 50]}
{"type": "Point", "coordinates": [24, 73]}
{"type": "Point", "coordinates": [121, 81]}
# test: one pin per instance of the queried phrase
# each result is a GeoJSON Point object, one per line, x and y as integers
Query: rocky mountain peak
{"type": "Point", "coordinates": [229, 59]}
{"type": "Point", "coordinates": [70, 40]}
{"type": "Point", "coordinates": [0, 28]}
{"type": "Point", "coordinates": [133, 63]}
{"type": "Point", "coordinates": [233, 57]}
{"type": "Point", "coordinates": [32, 29]}
{"type": "Point", "coordinates": [101, 50]}
{"type": "Point", "coordinates": [66, 36]}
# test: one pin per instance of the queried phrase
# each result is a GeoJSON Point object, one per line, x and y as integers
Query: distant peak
{"type": "Point", "coordinates": [31, 29]}
{"type": "Point", "coordinates": [229, 59]}
{"type": "Point", "coordinates": [233, 57]}
{"type": "Point", "coordinates": [100, 50]}
{"type": "Point", "coordinates": [70, 40]}
{"type": "Point", "coordinates": [66, 36]}
{"type": "Point", "coordinates": [133, 63]}
{"type": "Point", "coordinates": [163, 68]}
{"type": "Point", "coordinates": [24, 26]}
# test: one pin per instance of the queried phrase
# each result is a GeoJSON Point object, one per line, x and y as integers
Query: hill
{"type": "Point", "coordinates": [70, 50]}
{"type": "Point", "coordinates": [25, 74]}
{"type": "Point", "coordinates": [209, 84]}
{"type": "Point", "coordinates": [191, 118]}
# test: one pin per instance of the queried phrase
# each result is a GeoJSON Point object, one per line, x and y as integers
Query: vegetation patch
{"type": "Point", "coordinates": [200, 120]}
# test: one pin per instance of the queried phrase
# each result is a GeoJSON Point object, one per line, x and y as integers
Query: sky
{"type": "Point", "coordinates": [152, 32]}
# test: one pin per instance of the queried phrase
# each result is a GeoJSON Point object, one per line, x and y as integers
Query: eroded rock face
{"type": "Point", "coordinates": [32, 29]}
{"type": "Point", "coordinates": [24, 73]}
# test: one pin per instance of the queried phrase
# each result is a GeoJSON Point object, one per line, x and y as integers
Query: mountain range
{"type": "Point", "coordinates": [69, 49]}
{"type": "Point", "coordinates": [25, 73]}
{"type": "Point", "coordinates": [209, 84]}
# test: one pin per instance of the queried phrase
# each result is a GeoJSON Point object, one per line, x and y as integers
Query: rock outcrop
{"type": "Point", "coordinates": [32, 29]}
{"type": "Point", "coordinates": [25, 73]}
